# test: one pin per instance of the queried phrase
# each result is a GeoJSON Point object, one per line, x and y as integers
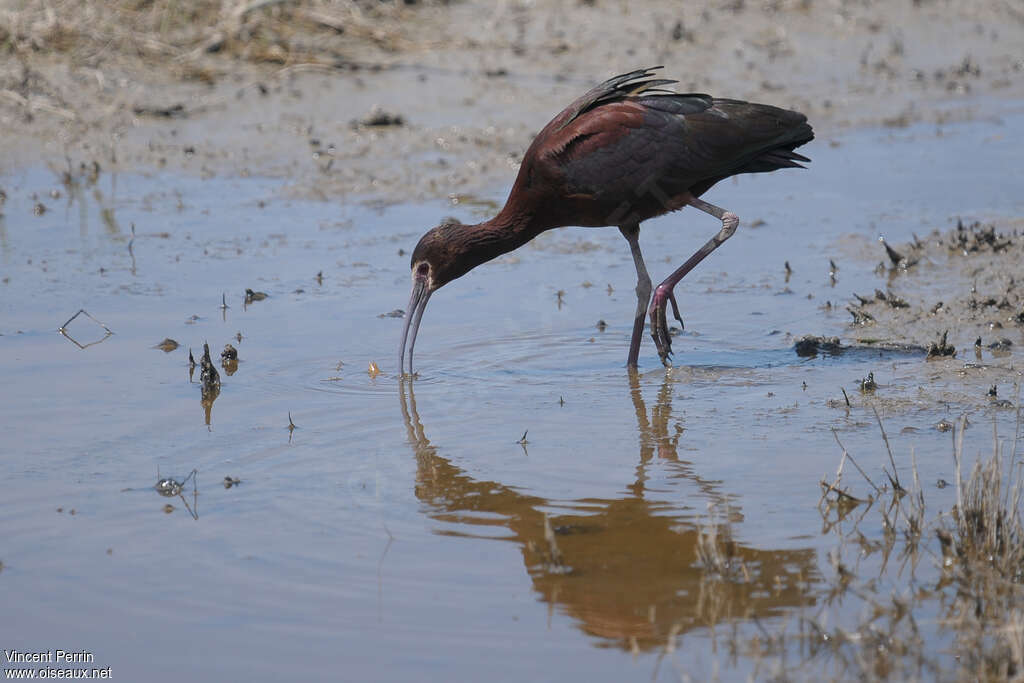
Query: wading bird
{"type": "Point", "coordinates": [624, 152]}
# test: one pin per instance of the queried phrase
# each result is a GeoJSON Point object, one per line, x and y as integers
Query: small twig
{"type": "Point", "coordinates": [244, 8]}
{"type": "Point", "coordinates": [291, 427]}
{"type": "Point", "coordinates": [131, 252]}
{"type": "Point", "coordinates": [917, 482]}
{"type": "Point", "coordinates": [1013, 459]}
{"type": "Point", "coordinates": [958, 452]}
{"type": "Point", "coordinates": [847, 454]}
{"type": "Point", "coordinates": [82, 311]}
{"type": "Point", "coordinates": [37, 104]}
{"type": "Point", "coordinates": [555, 554]}
{"type": "Point", "coordinates": [839, 492]}
{"type": "Point", "coordinates": [1016, 431]}
{"type": "Point", "coordinates": [895, 482]}
{"type": "Point", "coordinates": [63, 331]}
{"type": "Point", "coordinates": [839, 470]}
{"type": "Point", "coordinates": [846, 397]}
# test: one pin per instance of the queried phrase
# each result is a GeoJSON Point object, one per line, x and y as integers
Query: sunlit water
{"type": "Point", "coordinates": [398, 532]}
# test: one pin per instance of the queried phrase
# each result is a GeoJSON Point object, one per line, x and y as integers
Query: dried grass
{"type": "Point", "coordinates": [963, 622]}
{"type": "Point", "coordinates": [274, 31]}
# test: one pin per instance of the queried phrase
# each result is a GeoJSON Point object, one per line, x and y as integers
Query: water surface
{"type": "Point", "coordinates": [404, 531]}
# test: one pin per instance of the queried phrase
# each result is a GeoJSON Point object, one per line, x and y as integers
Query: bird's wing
{"type": "Point", "coordinates": [615, 151]}
{"type": "Point", "coordinates": [615, 88]}
{"type": "Point", "coordinates": [744, 137]}
{"type": "Point", "coordinates": [670, 144]}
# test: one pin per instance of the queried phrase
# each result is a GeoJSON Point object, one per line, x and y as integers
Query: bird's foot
{"type": "Point", "coordinates": [659, 322]}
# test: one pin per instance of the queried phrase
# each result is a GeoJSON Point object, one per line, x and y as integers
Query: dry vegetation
{"type": "Point", "coordinates": [914, 593]}
{"type": "Point", "coordinates": [111, 80]}
{"type": "Point", "coordinates": [61, 56]}
{"type": "Point", "coordinates": [276, 31]}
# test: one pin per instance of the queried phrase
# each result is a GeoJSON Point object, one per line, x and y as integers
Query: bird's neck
{"type": "Point", "coordinates": [510, 229]}
{"type": "Point", "coordinates": [514, 226]}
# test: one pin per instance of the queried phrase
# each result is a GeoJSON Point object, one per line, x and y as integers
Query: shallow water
{"type": "Point", "coordinates": [399, 532]}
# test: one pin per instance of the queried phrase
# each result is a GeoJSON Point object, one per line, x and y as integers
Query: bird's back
{"type": "Point", "coordinates": [628, 146]}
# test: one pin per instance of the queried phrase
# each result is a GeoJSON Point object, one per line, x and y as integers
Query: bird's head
{"type": "Point", "coordinates": [444, 253]}
{"type": "Point", "coordinates": [441, 256]}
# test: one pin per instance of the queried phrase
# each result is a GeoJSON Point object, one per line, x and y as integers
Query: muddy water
{"type": "Point", "coordinates": [404, 531]}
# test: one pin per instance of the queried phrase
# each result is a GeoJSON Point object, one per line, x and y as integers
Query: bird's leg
{"type": "Point", "coordinates": [643, 290]}
{"type": "Point", "coordinates": [663, 293]}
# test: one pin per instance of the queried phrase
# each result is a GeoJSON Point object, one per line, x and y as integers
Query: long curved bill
{"type": "Point", "coordinates": [413, 314]}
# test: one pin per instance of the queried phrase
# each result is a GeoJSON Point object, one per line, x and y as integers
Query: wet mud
{"type": "Point", "coordinates": [442, 99]}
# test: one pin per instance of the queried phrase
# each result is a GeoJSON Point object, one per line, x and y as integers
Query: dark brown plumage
{"type": "Point", "coordinates": [622, 153]}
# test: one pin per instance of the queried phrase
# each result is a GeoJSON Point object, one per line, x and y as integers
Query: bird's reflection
{"type": "Point", "coordinates": [626, 569]}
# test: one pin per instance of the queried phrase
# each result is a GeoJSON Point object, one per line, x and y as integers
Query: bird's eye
{"type": "Point", "coordinates": [423, 270]}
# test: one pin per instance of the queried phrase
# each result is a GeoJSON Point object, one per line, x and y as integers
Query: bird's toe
{"type": "Point", "coordinates": [660, 334]}
{"type": "Point", "coordinates": [675, 310]}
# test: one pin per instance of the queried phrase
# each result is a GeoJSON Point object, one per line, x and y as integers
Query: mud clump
{"type": "Point", "coordinates": [253, 296]}
{"type": "Point", "coordinates": [209, 378]}
{"type": "Point", "coordinates": [167, 345]}
{"type": "Point", "coordinates": [229, 353]}
{"type": "Point", "coordinates": [941, 349]}
{"type": "Point", "coordinates": [809, 346]}
{"type": "Point", "coordinates": [978, 238]}
{"type": "Point", "coordinates": [378, 118]}
{"type": "Point", "coordinates": [971, 267]}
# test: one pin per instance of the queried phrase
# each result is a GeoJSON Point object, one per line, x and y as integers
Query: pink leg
{"type": "Point", "coordinates": [663, 293]}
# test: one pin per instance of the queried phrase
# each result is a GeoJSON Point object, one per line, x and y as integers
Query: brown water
{"type": "Point", "coordinates": [403, 532]}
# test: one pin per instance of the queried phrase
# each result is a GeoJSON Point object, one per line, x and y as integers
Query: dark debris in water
{"type": "Point", "coordinates": [251, 296]}
{"type": "Point", "coordinates": [977, 237]}
{"type": "Point", "coordinates": [167, 345]}
{"type": "Point", "coordinates": [169, 487]}
{"type": "Point", "coordinates": [397, 313]}
{"type": "Point", "coordinates": [173, 111]}
{"type": "Point", "coordinates": [995, 401]}
{"type": "Point", "coordinates": [887, 298]}
{"type": "Point", "coordinates": [970, 265]}
{"type": "Point", "coordinates": [868, 384]}
{"type": "Point", "coordinates": [890, 299]}
{"type": "Point", "coordinates": [942, 349]}
{"type": "Point", "coordinates": [860, 316]}
{"type": "Point", "coordinates": [898, 259]}
{"type": "Point", "coordinates": [229, 359]}
{"type": "Point", "coordinates": [379, 118]}
{"type": "Point", "coordinates": [65, 331]}
{"type": "Point", "coordinates": [810, 346]}
{"type": "Point", "coordinates": [291, 426]}
{"type": "Point", "coordinates": [209, 378]}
